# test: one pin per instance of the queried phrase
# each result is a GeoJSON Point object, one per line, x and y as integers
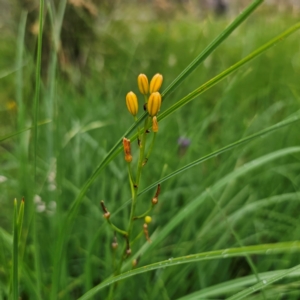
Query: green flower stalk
{"type": "Point", "coordinates": [154, 124]}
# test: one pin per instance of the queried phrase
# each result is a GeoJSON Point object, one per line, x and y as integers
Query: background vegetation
{"type": "Point", "coordinates": [246, 196]}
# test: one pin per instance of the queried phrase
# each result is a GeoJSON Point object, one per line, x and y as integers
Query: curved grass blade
{"type": "Point", "coordinates": [264, 283]}
{"type": "Point", "coordinates": [247, 139]}
{"type": "Point", "coordinates": [217, 254]}
{"type": "Point", "coordinates": [233, 285]}
{"type": "Point", "coordinates": [6, 137]}
{"type": "Point", "coordinates": [192, 206]}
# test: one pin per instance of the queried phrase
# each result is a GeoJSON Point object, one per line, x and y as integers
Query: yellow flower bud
{"type": "Point", "coordinates": [154, 103]}
{"type": "Point", "coordinates": [156, 83]}
{"type": "Point", "coordinates": [143, 84]}
{"type": "Point", "coordinates": [132, 103]}
{"type": "Point", "coordinates": [154, 124]}
{"type": "Point", "coordinates": [148, 219]}
{"type": "Point", "coordinates": [127, 150]}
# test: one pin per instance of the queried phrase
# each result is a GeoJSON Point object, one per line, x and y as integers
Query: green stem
{"type": "Point", "coordinates": [114, 227]}
{"type": "Point", "coordinates": [151, 147]}
{"type": "Point", "coordinates": [144, 214]}
{"type": "Point", "coordinates": [138, 128]}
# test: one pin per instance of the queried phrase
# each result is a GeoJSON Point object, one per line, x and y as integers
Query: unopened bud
{"type": "Point", "coordinates": [154, 124]}
{"type": "Point", "coordinates": [128, 251]}
{"type": "Point", "coordinates": [127, 150]}
{"type": "Point", "coordinates": [132, 103]}
{"type": "Point", "coordinates": [154, 103]}
{"type": "Point", "coordinates": [148, 219]}
{"type": "Point", "coordinates": [134, 263]}
{"type": "Point", "coordinates": [154, 200]}
{"type": "Point", "coordinates": [114, 245]}
{"type": "Point", "coordinates": [156, 83]}
{"type": "Point", "coordinates": [107, 215]}
{"type": "Point", "coordinates": [143, 84]}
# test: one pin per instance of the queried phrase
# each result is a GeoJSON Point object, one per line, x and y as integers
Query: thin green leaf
{"type": "Point", "coordinates": [6, 137]}
{"type": "Point", "coordinates": [228, 71]}
{"type": "Point", "coordinates": [38, 81]}
{"type": "Point", "coordinates": [15, 283]}
{"type": "Point", "coordinates": [192, 206]}
{"type": "Point", "coordinates": [288, 121]}
{"type": "Point", "coordinates": [263, 284]}
{"type": "Point", "coordinates": [217, 254]}
{"type": "Point", "coordinates": [210, 48]}
{"type": "Point", "coordinates": [20, 218]}
{"type": "Point", "coordinates": [219, 290]}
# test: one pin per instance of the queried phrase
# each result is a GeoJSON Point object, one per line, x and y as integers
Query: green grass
{"type": "Point", "coordinates": [227, 216]}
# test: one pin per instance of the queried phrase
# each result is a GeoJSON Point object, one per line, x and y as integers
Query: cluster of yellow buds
{"type": "Point", "coordinates": [153, 102]}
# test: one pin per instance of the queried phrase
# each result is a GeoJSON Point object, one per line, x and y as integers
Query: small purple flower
{"type": "Point", "coordinates": [183, 144]}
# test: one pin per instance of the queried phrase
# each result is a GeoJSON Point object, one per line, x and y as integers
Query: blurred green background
{"type": "Point", "coordinates": [104, 45]}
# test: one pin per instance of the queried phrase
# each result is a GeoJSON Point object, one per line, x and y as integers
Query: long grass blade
{"type": "Point", "coordinates": [217, 254]}
{"type": "Point", "coordinates": [228, 71]}
{"type": "Point", "coordinates": [289, 121]}
{"type": "Point", "coordinates": [193, 205]}
{"type": "Point", "coordinates": [227, 287]}
{"type": "Point", "coordinates": [263, 284]}
{"type": "Point", "coordinates": [210, 48]}
{"type": "Point", "coordinates": [15, 281]}
{"type": "Point", "coordinates": [6, 137]}
{"type": "Point", "coordinates": [38, 82]}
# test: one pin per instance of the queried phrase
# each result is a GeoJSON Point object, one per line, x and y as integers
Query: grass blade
{"type": "Point", "coordinates": [193, 205]}
{"type": "Point", "coordinates": [210, 48]}
{"type": "Point", "coordinates": [6, 137]}
{"type": "Point", "coordinates": [20, 218]}
{"type": "Point", "coordinates": [38, 81]}
{"type": "Point", "coordinates": [217, 254]}
{"type": "Point", "coordinates": [228, 71]}
{"type": "Point", "coordinates": [15, 283]}
{"type": "Point", "coordinates": [233, 285]}
{"type": "Point", "coordinates": [247, 139]}
{"type": "Point", "coordinates": [264, 283]}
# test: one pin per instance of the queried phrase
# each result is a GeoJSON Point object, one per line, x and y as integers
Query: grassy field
{"type": "Point", "coordinates": [236, 207]}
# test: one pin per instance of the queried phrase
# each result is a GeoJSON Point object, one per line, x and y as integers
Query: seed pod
{"type": "Point", "coordinates": [132, 103]}
{"type": "Point", "coordinates": [154, 124]}
{"type": "Point", "coordinates": [127, 150]}
{"type": "Point", "coordinates": [154, 103]}
{"type": "Point", "coordinates": [143, 84]}
{"type": "Point", "coordinates": [156, 83]}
